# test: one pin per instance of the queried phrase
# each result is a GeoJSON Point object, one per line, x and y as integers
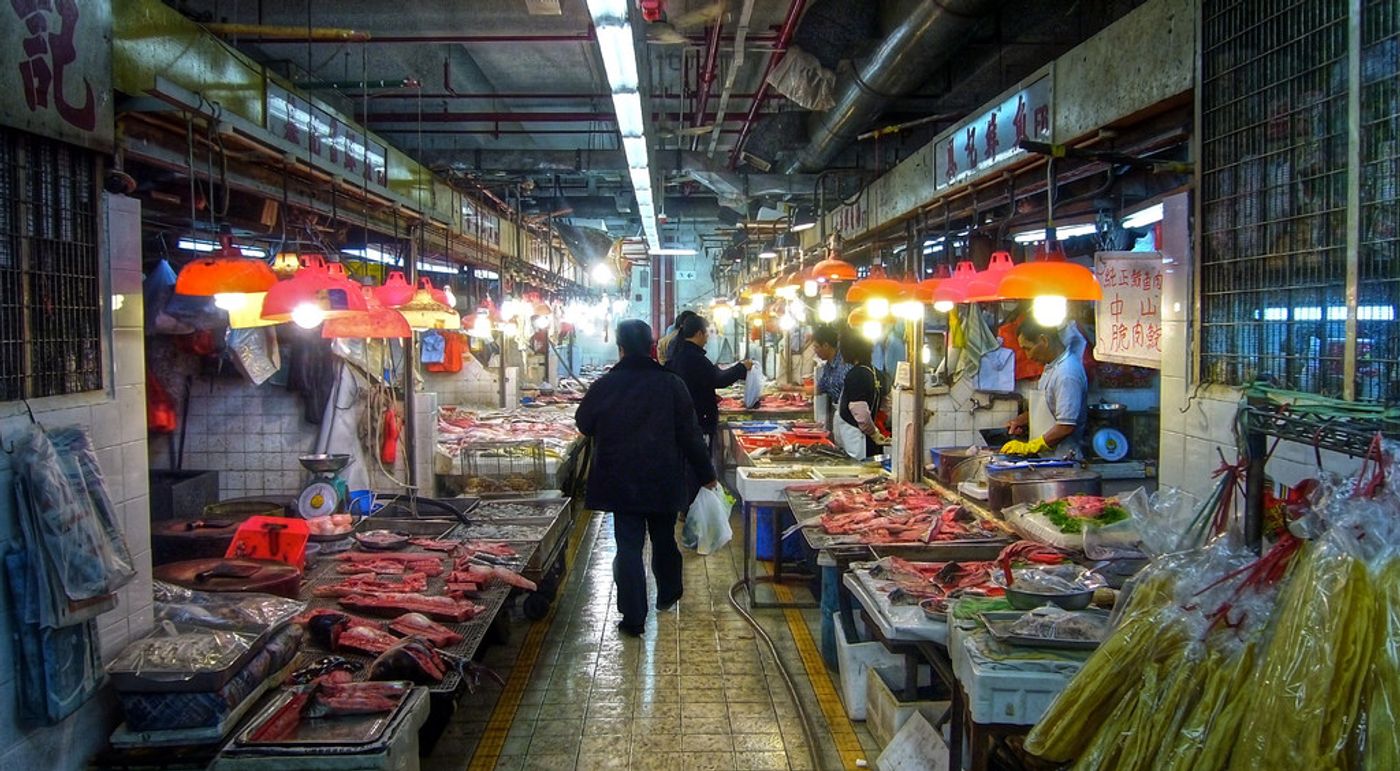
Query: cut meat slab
{"type": "Point", "coordinates": [438, 608]}
{"type": "Point", "coordinates": [371, 584]}
{"type": "Point", "coordinates": [419, 625]}
{"type": "Point", "coordinates": [469, 572]}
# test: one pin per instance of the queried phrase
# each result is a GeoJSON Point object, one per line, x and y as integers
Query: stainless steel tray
{"type": "Point", "coordinates": [998, 623]}
{"type": "Point", "coordinates": [323, 731]}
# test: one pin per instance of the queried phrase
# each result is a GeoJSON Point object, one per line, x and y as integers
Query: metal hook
{"type": "Point", "coordinates": [10, 449]}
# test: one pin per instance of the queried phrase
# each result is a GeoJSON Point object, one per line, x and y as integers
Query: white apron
{"type": "Point", "coordinates": [849, 438]}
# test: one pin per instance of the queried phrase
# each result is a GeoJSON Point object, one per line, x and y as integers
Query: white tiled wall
{"type": "Point", "coordinates": [116, 421]}
{"type": "Point", "coordinates": [960, 412]}
{"type": "Point", "coordinates": [250, 434]}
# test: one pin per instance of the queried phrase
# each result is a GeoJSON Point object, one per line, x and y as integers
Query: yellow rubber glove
{"type": "Point", "coordinates": [1034, 447]}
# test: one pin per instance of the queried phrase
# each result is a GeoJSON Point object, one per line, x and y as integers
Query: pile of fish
{"type": "Point", "coordinates": [923, 580]}
{"type": "Point", "coordinates": [771, 401]}
{"type": "Point", "coordinates": [894, 512]}
{"type": "Point", "coordinates": [459, 428]}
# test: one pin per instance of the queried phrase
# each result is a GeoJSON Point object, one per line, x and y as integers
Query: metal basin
{"type": "Point", "coordinates": [1007, 487]}
{"type": "Point", "coordinates": [324, 464]}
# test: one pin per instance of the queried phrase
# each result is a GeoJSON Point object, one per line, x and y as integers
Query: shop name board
{"type": "Point", "coordinates": [1128, 323]}
{"type": "Point", "coordinates": [987, 141]}
{"type": "Point", "coordinates": [330, 142]}
{"type": "Point", "coordinates": [57, 70]}
{"type": "Point", "coordinates": [481, 224]}
{"type": "Point", "coordinates": [849, 219]}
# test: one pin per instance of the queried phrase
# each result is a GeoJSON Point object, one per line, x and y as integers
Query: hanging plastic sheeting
{"type": "Point", "coordinates": [800, 77]}
{"type": "Point", "coordinates": [73, 560]}
{"type": "Point", "coordinates": [156, 291]}
{"type": "Point", "coordinates": [255, 352]}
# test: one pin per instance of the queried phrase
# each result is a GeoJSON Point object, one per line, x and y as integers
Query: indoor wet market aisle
{"type": "Point", "coordinates": [698, 691]}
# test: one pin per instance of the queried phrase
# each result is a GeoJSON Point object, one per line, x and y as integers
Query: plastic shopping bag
{"type": "Point", "coordinates": [753, 387]}
{"type": "Point", "coordinates": [707, 527]}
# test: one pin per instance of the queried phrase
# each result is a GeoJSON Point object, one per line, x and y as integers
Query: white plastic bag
{"type": "Point", "coordinates": [707, 527]}
{"type": "Point", "coordinates": [753, 386]}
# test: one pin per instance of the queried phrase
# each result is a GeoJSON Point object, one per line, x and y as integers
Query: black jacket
{"type": "Point", "coordinates": [701, 378]}
{"type": "Point", "coordinates": [644, 436]}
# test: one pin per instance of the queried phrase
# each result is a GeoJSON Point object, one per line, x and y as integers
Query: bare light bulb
{"type": "Point", "coordinates": [481, 327]}
{"type": "Point", "coordinates": [871, 330]}
{"type": "Point", "coordinates": [510, 329]}
{"type": "Point", "coordinates": [826, 310]}
{"type": "Point", "coordinates": [787, 323]}
{"type": "Point", "coordinates": [1049, 310]}
{"type": "Point", "coordinates": [230, 301]}
{"type": "Point", "coordinates": [928, 354]}
{"type": "Point", "coordinates": [723, 315]}
{"type": "Point", "coordinates": [943, 306]}
{"type": "Point", "coordinates": [308, 315]}
{"type": "Point", "coordinates": [810, 287]}
{"type": "Point", "coordinates": [877, 307]}
{"type": "Point", "coordinates": [757, 303]}
{"type": "Point", "coordinates": [541, 322]}
{"type": "Point", "coordinates": [908, 310]}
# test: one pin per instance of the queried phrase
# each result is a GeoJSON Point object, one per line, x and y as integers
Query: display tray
{"type": "Point", "coordinates": [491, 599]}
{"type": "Point", "coordinates": [504, 510]}
{"type": "Point", "coordinates": [418, 528]}
{"type": "Point", "coordinates": [998, 624]}
{"type": "Point", "coordinates": [342, 730]}
{"type": "Point", "coordinates": [200, 682]}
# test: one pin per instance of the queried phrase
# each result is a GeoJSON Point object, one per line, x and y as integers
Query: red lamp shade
{"type": "Point", "coordinates": [437, 294]}
{"type": "Point", "coordinates": [377, 322]}
{"type": "Point", "coordinates": [834, 270]}
{"type": "Point", "coordinates": [226, 271]}
{"type": "Point", "coordinates": [954, 290]}
{"type": "Point", "coordinates": [874, 285]}
{"type": "Point", "coordinates": [395, 292]}
{"type": "Point", "coordinates": [315, 286]}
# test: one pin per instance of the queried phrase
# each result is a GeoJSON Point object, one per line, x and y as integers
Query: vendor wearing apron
{"type": "Point", "coordinates": [830, 372]}
{"type": "Point", "coordinates": [856, 432]}
{"type": "Point", "coordinates": [1059, 412]}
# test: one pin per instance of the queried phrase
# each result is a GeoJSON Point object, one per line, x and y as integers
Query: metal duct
{"type": "Point", "coordinates": [934, 30]}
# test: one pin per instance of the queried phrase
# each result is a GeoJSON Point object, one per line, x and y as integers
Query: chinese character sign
{"type": "Point", "coordinates": [57, 70]}
{"type": "Point", "coordinates": [988, 140]}
{"type": "Point", "coordinates": [329, 142]}
{"type": "Point", "coordinates": [1129, 318]}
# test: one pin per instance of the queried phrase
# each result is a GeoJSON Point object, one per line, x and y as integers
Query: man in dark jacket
{"type": "Point", "coordinates": [645, 438]}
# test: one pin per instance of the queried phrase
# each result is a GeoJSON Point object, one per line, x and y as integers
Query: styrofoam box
{"type": "Point", "coordinates": [752, 490]}
{"type": "Point", "coordinates": [1003, 696]}
{"type": "Point", "coordinates": [853, 659]}
{"type": "Point", "coordinates": [885, 714]}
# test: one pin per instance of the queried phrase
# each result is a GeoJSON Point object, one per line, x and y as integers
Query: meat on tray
{"type": "Point", "coordinates": [419, 625]}
{"type": "Point", "coordinates": [921, 580]}
{"type": "Point", "coordinates": [336, 699]}
{"type": "Point", "coordinates": [468, 572]}
{"type": "Point", "coordinates": [379, 562]}
{"type": "Point", "coordinates": [373, 584]}
{"type": "Point", "coordinates": [438, 608]}
{"type": "Point", "coordinates": [342, 632]}
{"type": "Point", "coordinates": [894, 512]}
{"type": "Point", "coordinates": [435, 544]}
{"type": "Point", "coordinates": [412, 660]}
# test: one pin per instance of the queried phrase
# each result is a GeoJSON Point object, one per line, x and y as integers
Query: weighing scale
{"type": "Point", "coordinates": [326, 493]}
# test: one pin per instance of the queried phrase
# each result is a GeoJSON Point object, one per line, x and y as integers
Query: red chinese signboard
{"type": "Point", "coordinates": [1129, 318]}
{"type": "Point", "coordinates": [57, 70]}
{"type": "Point", "coordinates": [987, 140]}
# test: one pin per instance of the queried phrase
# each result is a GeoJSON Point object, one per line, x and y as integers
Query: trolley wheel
{"type": "Point", "coordinates": [536, 606]}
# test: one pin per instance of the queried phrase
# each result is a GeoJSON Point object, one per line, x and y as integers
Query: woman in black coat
{"type": "Point", "coordinates": [645, 441]}
{"type": "Point", "coordinates": [702, 378]}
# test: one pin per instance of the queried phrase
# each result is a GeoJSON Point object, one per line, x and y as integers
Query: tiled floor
{"type": "Point", "coordinates": [697, 691]}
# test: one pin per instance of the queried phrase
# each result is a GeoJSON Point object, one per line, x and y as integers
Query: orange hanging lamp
{"type": "Point", "coordinates": [317, 292]}
{"type": "Point", "coordinates": [832, 270]}
{"type": "Point", "coordinates": [396, 291]}
{"type": "Point", "coordinates": [954, 290]}
{"type": "Point", "coordinates": [226, 275]}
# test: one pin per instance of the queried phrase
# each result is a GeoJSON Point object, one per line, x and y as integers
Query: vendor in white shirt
{"type": "Point", "coordinates": [1064, 386]}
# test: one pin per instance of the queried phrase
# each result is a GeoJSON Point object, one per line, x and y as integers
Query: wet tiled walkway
{"type": "Point", "coordinates": [697, 691]}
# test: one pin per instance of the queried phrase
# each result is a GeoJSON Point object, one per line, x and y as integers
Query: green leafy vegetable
{"type": "Point", "coordinates": [1058, 512]}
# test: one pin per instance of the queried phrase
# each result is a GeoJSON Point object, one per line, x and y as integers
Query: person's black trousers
{"type": "Point", "coordinates": [630, 531]}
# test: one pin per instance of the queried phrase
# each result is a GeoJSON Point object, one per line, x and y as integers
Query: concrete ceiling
{"type": "Point", "coordinates": [506, 95]}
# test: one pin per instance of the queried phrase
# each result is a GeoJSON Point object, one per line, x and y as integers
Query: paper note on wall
{"type": "Point", "coordinates": [1129, 317]}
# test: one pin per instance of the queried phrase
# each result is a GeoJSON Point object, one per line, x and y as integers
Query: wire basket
{"type": "Point", "coordinates": [486, 468]}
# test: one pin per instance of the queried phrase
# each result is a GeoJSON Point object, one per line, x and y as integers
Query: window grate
{"type": "Point", "coordinates": [1274, 188]}
{"type": "Point", "coordinates": [50, 290]}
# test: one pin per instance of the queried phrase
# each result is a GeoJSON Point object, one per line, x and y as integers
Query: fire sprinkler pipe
{"type": "Point", "coordinates": [779, 50]}
{"type": "Point", "coordinates": [260, 32]}
{"type": "Point", "coordinates": [707, 75]}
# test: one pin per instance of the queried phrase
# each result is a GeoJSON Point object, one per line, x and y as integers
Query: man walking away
{"type": "Point", "coordinates": [645, 437]}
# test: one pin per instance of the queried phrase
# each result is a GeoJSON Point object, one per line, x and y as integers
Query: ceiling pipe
{"type": "Point", "coordinates": [779, 50]}
{"type": "Point", "coordinates": [929, 36]}
{"type": "Point", "coordinates": [523, 95]}
{"type": "Point", "coordinates": [707, 74]}
{"type": "Point", "coordinates": [253, 33]}
{"type": "Point", "coordinates": [736, 63]}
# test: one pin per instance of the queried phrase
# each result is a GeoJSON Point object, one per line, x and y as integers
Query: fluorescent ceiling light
{"type": "Point", "coordinates": [433, 267]}
{"type": "Point", "coordinates": [619, 56]}
{"type": "Point", "coordinates": [641, 179]}
{"type": "Point", "coordinates": [1061, 233]}
{"type": "Point", "coordinates": [372, 254]}
{"type": "Point", "coordinates": [628, 106]}
{"type": "Point", "coordinates": [1141, 219]}
{"type": "Point", "coordinates": [602, 10]}
{"type": "Point", "coordinates": [635, 148]}
{"type": "Point", "coordinates": [644, 199]}
{"type": "Point", "coordinates": [489, 275]}
{"type": "Point", "coordinates": [673, 252]}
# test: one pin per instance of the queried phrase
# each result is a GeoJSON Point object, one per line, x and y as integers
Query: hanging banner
{"type": "Point", "coordinates": [330, 143]}
{"type": "Point", "coordinates": [989, 140]}
{"type": "Point", "coordinates": [1129, 317]}
{"type": "Point", "coordinates": [56, 70]}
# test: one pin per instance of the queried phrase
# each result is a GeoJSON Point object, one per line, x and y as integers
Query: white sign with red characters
{"type": "Point", "coordinates": [1129, 317]}
{"type": "Point", "coordinates": [986, 141]}
{"type": "Point", "coordinates": [56, 73]}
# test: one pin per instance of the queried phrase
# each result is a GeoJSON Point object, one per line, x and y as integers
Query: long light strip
{"type": "Point", "coordinates": [617, 46]}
